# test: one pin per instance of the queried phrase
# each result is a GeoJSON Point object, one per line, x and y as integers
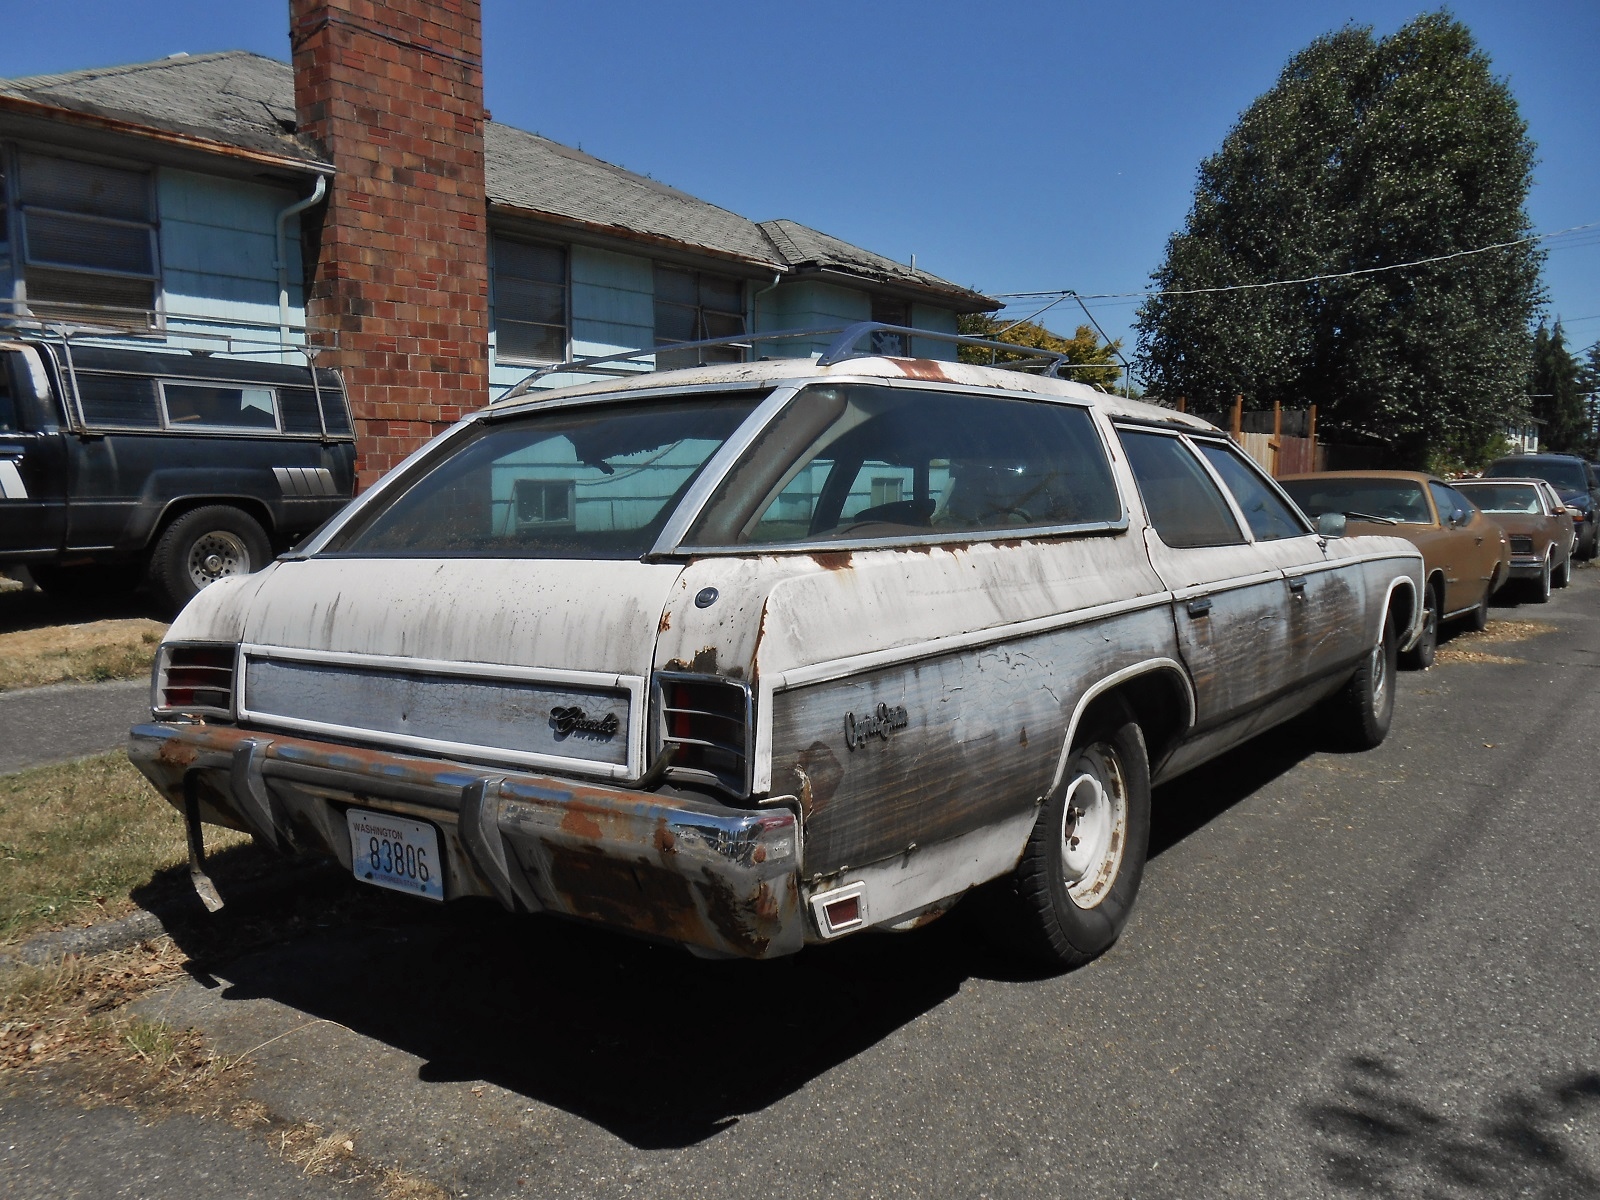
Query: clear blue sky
{"type": "Point", "coordinates": [1049, 146]}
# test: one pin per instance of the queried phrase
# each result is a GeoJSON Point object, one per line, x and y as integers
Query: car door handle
{"type": "Point", "coordinates": [1297, 586]}
{"type": "Point", "coordinates": [1200, 607]}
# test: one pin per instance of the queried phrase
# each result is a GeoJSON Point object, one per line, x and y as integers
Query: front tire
{"type": "Point", "coordinates": [203, 546]}
{"type": "Point", "coordinates": [1363, 710]}
{"type": "Point", "coordinates": [1563, 575]}
{"type": "Point", "coordinates": [1080, 873]}
{"type": "Point", "coordinates": [1420, 657]}
{"type": "Point", "coordinates": [1541, 585]}
{"type": "Point", "coordinates": [1478, 619]}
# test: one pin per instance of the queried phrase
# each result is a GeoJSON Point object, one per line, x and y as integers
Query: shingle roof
{"type": "Point", "coordinates": [231, 96]}
{"type": "Point", "coordinates": [243, 99]}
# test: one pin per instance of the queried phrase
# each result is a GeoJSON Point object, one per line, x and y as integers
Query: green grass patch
{"type": "Point", "coordinates": [77, 837]}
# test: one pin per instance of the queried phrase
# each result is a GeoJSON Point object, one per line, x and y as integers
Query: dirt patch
{"type": "Point", "coordinates": [77, 837]}
{"type": "Point", "coordinates": [118, 648]}
{"type": "Point", "coordinates": [1469, 647]}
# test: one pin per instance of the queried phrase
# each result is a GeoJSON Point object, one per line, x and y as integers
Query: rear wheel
{"type": "Point", "coordinates": [1420, 657]}
{"type": "Point", "coordinates": [1363, 710]}
{"type": "Point", "coordinates": [1076, 883]}
{"type": "Point", "coordinates": [203, 546]}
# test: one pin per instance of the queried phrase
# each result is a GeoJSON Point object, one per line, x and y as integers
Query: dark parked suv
{"type": "Point", "coordinates": [120, 465]}
{"type": "Point", "coordinates": [1573, 478]}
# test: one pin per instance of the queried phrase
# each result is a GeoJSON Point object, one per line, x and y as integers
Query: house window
{"type": "Point", "coordinates": [88, 240]}
{"type": "Point", "coordinates": [530, 302]}
{"type": "Point", "coordinates": [694, 306]}
{"type": "Point", "coordinates": [890, 312]}
{"type": "Point", "coordinates": [886, 489]}
{"type": "Point", "coordinates": [543, 502]}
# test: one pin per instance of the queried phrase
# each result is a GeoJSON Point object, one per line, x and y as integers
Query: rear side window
{"type": "Point", "coordinates": [8, 404]}
{"type": "Point", "coordinates": [118, 401]}
{"type": "Point", "coordinates": [220, 406]}
{"type": "Point", "coordinates": [1269, 517]}
{"type": "Point", "coordinates": [1184, 504]}
{"type": "Point", "coordinates": [863, 462]}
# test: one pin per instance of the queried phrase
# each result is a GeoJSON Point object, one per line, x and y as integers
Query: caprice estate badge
{"type": "Point", "coordinates": [876, 724]}
{"type": "Point", "coordinates": [572, 719]}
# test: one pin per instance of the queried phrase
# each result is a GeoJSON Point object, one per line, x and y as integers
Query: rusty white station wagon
{"type": "Point", "coordinates": [750, 656]}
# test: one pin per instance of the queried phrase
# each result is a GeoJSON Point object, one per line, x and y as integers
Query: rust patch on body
{"type": "Point", "coordinates": [832, 560]}
{"type": "Point", "coordinates": [580, 824]}
{"type": "Point", "coordinates": [663, 841]}
{"type": "Point", "coordinates": [820, 776]}
{"type": "Point", "coordinates": [174, 753]}
{"type": "Point", "coordinates": [665, 622]}
{"type": "Point", "coordinates": [1022, 738]}
{"type": "Point", "coordinates": [929, 369]}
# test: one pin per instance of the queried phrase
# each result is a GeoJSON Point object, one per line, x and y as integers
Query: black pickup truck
{"type": "Point", "coordinates": [119, 466]}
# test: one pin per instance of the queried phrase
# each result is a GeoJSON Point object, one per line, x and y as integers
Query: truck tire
{"type": "Point", "coordinates": [203, 546]}
{"type": "Point", "coordinates": [1074, 888]}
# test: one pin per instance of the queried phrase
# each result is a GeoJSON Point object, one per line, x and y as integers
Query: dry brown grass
{"type": "Point", "coordinates": [95, 650]}
{"type": "Point", "coordinates": [75, 838]}
{"type": "Point", "coordinates": [1468, 647]}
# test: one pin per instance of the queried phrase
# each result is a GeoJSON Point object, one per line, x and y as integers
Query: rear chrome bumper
{"type": "Point", "coordinates": [717, 880]}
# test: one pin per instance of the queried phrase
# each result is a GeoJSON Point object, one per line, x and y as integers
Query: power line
{"type": "Point", "coordinates": [1242, 287]}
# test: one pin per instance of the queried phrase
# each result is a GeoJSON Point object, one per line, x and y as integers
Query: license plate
{"type": "Point", "coordinates": [393, 852]}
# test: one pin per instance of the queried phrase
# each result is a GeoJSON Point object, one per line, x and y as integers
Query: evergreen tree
{"type": "Point", "coordinates": [1555, 393]}
{"type": "Point", "coordinates": [1366, 153]}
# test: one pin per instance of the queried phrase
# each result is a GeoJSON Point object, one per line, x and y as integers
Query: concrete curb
{"type": "Point", "coordinates": [153, 922]}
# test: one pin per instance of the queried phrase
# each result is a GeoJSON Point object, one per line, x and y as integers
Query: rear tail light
{"type": "Point", "coordinates": [704, 727]}
{"type": "Point", "coordinates": [194, 678]}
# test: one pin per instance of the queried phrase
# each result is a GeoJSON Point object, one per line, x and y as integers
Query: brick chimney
{"type": "Point", "coordinates": [393, 89]}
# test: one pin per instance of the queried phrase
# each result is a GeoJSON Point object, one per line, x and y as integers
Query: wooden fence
{"type": "Point", "coordinates": [1282, 440]}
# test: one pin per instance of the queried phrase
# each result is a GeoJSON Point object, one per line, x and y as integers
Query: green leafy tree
{"type": "Point", "coordinates": [1365, 154]}
{"type": "Point", "coordinates": [1556, 393]}
{"type": "Point", "coordinates": [1099, 368]}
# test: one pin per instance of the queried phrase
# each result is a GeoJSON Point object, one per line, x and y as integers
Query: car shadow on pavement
{"type": "Point", "coordinates": [662, 1049]}
{"type": "Point", "coordinates": [1200, 796]}
{"type": "Point", "coordinates": [1375, 1137]}
{"type": "Point", "coordinates": [29, 608]}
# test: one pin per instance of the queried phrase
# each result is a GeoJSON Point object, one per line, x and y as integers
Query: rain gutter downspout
{"type": "Point", "coordinates": [295, 209]}
{"type": "Point", "coordinates": [755, 302]}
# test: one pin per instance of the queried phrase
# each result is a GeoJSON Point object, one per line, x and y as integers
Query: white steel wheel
{"type": "Point", "coordinates": [1094, 826]}
{"type": "Point", "coordinates": [216, 555]}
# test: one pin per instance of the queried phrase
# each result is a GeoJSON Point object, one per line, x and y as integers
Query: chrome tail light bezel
{"type": "Point", "coordinates": [669, 714]}
{"type": "Point", "coordinates": [182, 686]}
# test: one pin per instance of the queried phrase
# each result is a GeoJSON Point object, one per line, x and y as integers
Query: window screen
{"type": "Point", "coordinates": [695, 306]}
{"type": "Point", "coordinates": [89, 240]}
{"type": "Point", "coordinates": [530, 301]}
{"type": "Point", "coordinates": [1269, 517]}
{"type": "Point", "coordinates": [865, 462]}
{"type": "Point", "coordinates": [1184, 504]}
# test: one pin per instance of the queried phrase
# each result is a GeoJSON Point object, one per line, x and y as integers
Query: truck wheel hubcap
{"type": "Point", "coordinates": [215, 556]}
{"type": "Point", "coordinates": [1094, 827]}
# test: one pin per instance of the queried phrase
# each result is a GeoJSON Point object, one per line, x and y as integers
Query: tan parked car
{"type": "Point", "coordinates": [1465, 554]}
{"type": "Point", "coordinates": [1537, 525]}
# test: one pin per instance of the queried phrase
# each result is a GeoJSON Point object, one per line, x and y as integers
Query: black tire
{"type": "Point", "coordinates": [1539, 589]}
{"type": "Point", "coordinates": [1586, 552]}
{"type": "Point", "coordinates": [1361, 712]}
{"type": "Point", "coordinates": [1563, 575]}
{"type": "Point", "coordinates": [1071, 900]}
{"type": "Point", "coordinates": [1478, 619]}
{"type": "Point", "coordinates": [202, 546]}
{"type": "Point", "coordinates": [1420, 657]}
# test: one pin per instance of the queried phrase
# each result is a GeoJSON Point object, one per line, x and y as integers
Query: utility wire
{"type": "Point", "coordinates": [1242, 287]}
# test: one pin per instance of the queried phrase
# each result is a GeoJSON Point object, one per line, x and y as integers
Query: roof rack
{"type": "Point", "coordinates": [846, 338]}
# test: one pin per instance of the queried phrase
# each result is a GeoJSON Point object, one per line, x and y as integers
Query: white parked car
{"type": "Point", "coordinates": [749, 656]}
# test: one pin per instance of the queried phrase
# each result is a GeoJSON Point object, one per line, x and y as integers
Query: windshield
{"type": "Point", "coordinates": [1399, 500]}
{"type": "Point", "coordinates": [1567, 476]}
{"type": "Point", "coordinates": [863, 461]}
{"type": "Point", "coordinates": [1502, 497]}
{"type": "Point", "coordinates": [595, 481]}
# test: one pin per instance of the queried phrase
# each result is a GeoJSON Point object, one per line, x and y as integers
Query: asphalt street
{"type": "Point", "coordinates": [1346, 975]}
{"type": "Point", "coordinates": [68, 720]}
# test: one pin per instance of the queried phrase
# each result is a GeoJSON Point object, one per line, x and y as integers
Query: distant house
{"type": "Point", "coordinates": [359, 201]}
